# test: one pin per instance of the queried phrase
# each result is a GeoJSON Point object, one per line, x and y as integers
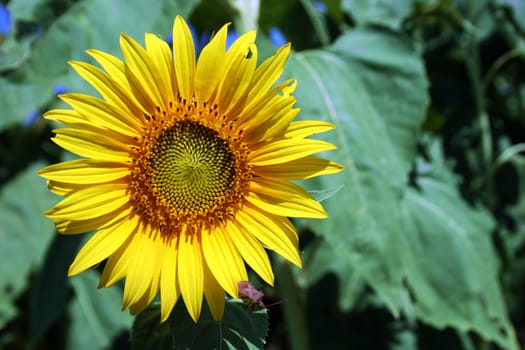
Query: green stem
{"type": "Point", "coordinates": [497, 65]}
{"type": "Point", "coordinates": [293, 307]}
{"type": "Point", "coordinates": [508, 154]}
{"type": "Point", "coordinates": [466, 342]}
{"type": "Point", "coordinates": [471, 55]}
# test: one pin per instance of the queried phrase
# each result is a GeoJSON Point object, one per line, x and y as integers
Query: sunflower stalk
{"type": "Point", "coordinates": [472, 62]}
{"type": "Point", "coordinates": [293, 307]}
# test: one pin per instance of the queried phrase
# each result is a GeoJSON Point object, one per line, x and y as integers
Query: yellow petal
{"type": "Point", "coordinates": [111, 90]}
{"type": "Point", "coordinates": [85, 171]}
{"type": "Point", "coordinates": [269, 71]}
{"type": "Point", "coordinates": [284, 199]}
{"type": "Point", "coordinates": [304, 128]}
{"type": "Point", "coordinates": [183, 58]}
{"type": "Point", "coordinates": [95, 134]}
{"type": "Point", "coordinates": [272, 231]}
{"type": "Point", "coordinates": [289, 230]}
{"type": "Point", "coordinates": [141, 73]}
{"type": "Point", "coordinates": [71, 226]}
{"type": "Point", "coordinates": [116, 267]}
{"type": "Point", "coordinates": [90, 145]}
{"type": "Point", "coordinates": [113, 66]}
{"type": "Point", "coordinates": [272, 120]}
{"type": "Point", "coordinates": [279, 123]}
{"type": "Point", "coordinates": [303, 168]}
{"type": "Point", "coordinates": [104, 243]}
{"type": "Point", "coordinates": [151, 292]}
{"type": "Point", "coordinates": [148, 296]}
{"type": "Point", "coordinates": [210, 66]}
{"type": "Point", "coordinates": [102, 114]}
{"type": "Point", "coordinates": [251, 250]}
{"type": "Point", "coordinates": [169, 286]}
{"type": "Point", "coordinates": [257, 108]}
{"type": "Point", "coordinates": [144, 268]}
{"type": "Point", "coordinates": [190, 273]}
{"type": "Point", "coordinates": [160, 55]}
{"type": "Point", "coordinates": [282, 151]}
{"type": "Point", "coordinates": [77, 121]}
{"type": "Point", "coordinates": [214, 294]}
{"type": "Point", "coordinates": [65, 116]}
{"type": "Point", "coordinates": [223, 259]}
{"type": "Point", "coordinates": [63, 188]}
{"type": "Point", "coordinates": [91, 202]}
{"type": "Point", "coordinates": [241, 60]}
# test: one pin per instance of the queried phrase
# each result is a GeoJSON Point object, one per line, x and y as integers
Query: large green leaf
{"type": "Point", "coordinates": [96, 316]}
{"type": "Point", "coordinates": [377, 102]}
{"type": "Point", "coordinates": [394, 77]}
{"type": "Point", "coordinates": [239, 329]}
{"type": "Point", "coordinates": [373, 87]}
{"type": "Point", "coordinates": [25, 234]}
{"type": "Point", "coordinates": [452, 269]}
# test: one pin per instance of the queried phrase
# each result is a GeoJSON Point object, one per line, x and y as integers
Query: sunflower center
{"type": "Point", "coordinates": [193, 168]}
{"type": "Point", "coordinates": [189, 169]}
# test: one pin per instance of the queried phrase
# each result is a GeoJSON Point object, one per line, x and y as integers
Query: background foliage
{"type": "Point", "coordinates": [425, 244]}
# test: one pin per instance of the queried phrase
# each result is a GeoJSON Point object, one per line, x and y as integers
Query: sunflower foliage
{"type": "Point", "coordinates": [424, 244]}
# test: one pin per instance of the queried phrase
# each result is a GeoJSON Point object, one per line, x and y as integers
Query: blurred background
{"type": "Point", "coordinates": [425, 244]}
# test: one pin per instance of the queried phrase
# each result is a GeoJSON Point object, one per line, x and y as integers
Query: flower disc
{"type": "Point", "coordinates": [192, 168]}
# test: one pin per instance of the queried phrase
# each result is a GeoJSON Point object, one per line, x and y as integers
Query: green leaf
{"type": "Point", "coordinates": [87, 24]}
{"type": "Point", "coordinates": [14, 52]}
{"type": "Point", "coordinates": [396, 82]}
{"type": "Point", "coordinates": [377, 102]}
{"type": "Point", "coordinates": [96, 316]}
{"type": "Point", "coordinates": [321, 259]}
{"type": "Point", "coordinates": [50, 289]}
{"type": "Point", "coordinates": [517, 9]}
{"type": "Point", "coordinates": [452, 268]}
{"type": "Point", "coordinates": [322, 195]}
{"type": "Point", "coordinates": [148, 333]}
{"type": "Point", "coordinates": [239, 329]}
{"type": "Point", "coordinates": [384, 12]}
{"type": "Point", "coordinates": [513, 24]}
{"type": "Point", "coordinates": [20, 99]}
{"type": "Point", "coordinates": [25, 234]}
{"type": "Point", "coordinates": [8, 309]}
{"type": "Point", "coordinates": [26, 9]}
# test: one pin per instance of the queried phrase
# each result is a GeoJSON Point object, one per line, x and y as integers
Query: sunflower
{"type": "Point", "coordinates": [186, 168]}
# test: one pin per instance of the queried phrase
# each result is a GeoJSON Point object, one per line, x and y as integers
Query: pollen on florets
{"type": "Point", "coordinates": [188, 169]}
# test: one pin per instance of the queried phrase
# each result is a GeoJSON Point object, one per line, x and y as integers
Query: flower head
{"type": "Point", "coordinates": [186, 168]}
